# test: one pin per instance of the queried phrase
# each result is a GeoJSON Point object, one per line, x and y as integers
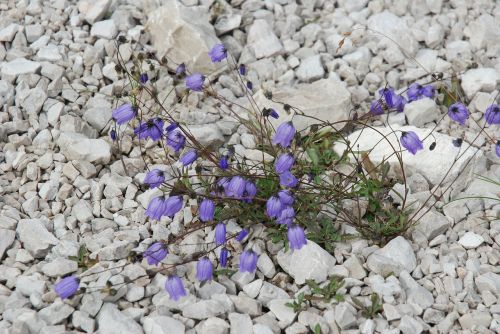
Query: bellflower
{"type": "Point", "coordinates": [188, 158]}
{"type": "Point", "coordinates": [458, 112]}
{"type": "Point", "coordinates": [284, 162]}
{"type": "Point", "coordinates": [112, 134]}
{"type": "Point", "coordinates": [224, 253]}
{"type": "Point", "coordinates": [393, 100]}
{"type": "Point", "coordinates": [288, 180]}
{"type": "Point", "coordinates": [156, 208]}
{"type": "Point", "coordinates": [218, 53]}
{"type": "Point", "coordinates": [143, 78]}
{"type": "Point", "coordinates": [411, 142]}
{"type": "Point", "coordinates": [417, 91]}
{"type": "Point", "coordinates": [195, 82]}
{"type": "Point", "coordinates": [154, 178]}
{"type": "Point", "coordinates": [124, 113]}
{"type": "Point", "coordinates": [250, 191]}
{"type": "Point", "coordinates": [248, 261]}
{"type": "Point", "coordinates": [176, 140]}
{"type": "Point", "coordinates": [243, 233]}
{"type": "Point", "coordinates": [296, 237]}
{"type": "Point", "coordinates": [457, 142]}
{"type": "Point", "coordinates": [222, 184]}
{"type": "Point", "coordinates": [236, 187]}
{"type": "Point", "coordinates": [173, 205]}
{"type": "Point", "coordinates": [204, 270]}
{"type": "Point", "coordinates": [172, 126]}
{"type": "Point", "coordinates": [220, 234]}
{"type": "Point", "coordinates": [249, 85]}
{"type": "Point", "coordinates": [274, 114]}
{"type": "Point", "coordinates": [274, 207]}
{"type": "Point", "coordinates": [242, 69]}
{"type": "Point", "coordinates": [67, 287]}
{"type": "Point", "coordinates": [284, 134]}
{"type": "Point", "coordinates": [286, 197]}
{"type": "Point", "coordinates": [492, 114]}
{"type": "Point", "coordinates": [175, 287]}
{"type": "Point", "coordinates": [180, 69]}
{"type": "Point", "coordinates": [153, 128]}
{"type": "Point", "coordinates": [207, 210]}
{"type": "Point", "coordinates": [376, 108]}
{"type": "Point", "coordinates": [223, 163]}
{"type": "Point", "coordinates": [497, 148]}
{"type": "Point", "coordinates": [156, 253]}
{"type": "Point", "coordinates": [286, 216]}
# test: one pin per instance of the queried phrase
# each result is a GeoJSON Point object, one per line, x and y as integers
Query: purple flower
{"type": "Point", "coordinates": [392, 100]}
{"type": "Point", "coordinates": [172, 126]}
{"type": "Point", "coordinates": [250, 191]}
{"type": "Point", "coordinates": [457, 142]}
{"type": "Point", "coordinates": [222, 185]}
{"type": "Point", "coordinates": [274, 207]}
{"type": "Point", "coordinates": [143, 78]}
{"type": "Point", "coordinates": [156, 208]}
{"type": "Point", "coordinates": [497, 148]}
{"type": "Point", "coordinates": [175, 288]}
{"type": "Point", "coordinates": [248, 261]}
{"type": "Point", "coordinates": [154, 178]}
{"type": "Point", "coordinates": [411, 142]}
{"type": "Point", "coordinates": [249, 85]}
{"type": "Point", "coordinates": [284, 134]}
{"type": "Point", "coordinates": [152, 128]}
{"type": "Point", "coordinates": [242, 69]}
{"type": "Point", "coordinates": [220, 234]}
{"type": "Point", "coordinates": [288, 180]}
{"type": "Point", "coordinates": [204, 270]}
{"type": "Point", "coordinates": [180, 69]}
{"type": "Point", "coordinates": [274, 114]}
{"type": "Point", "coordinates": [296, 237]}
{"type": "Point", "coordinates": [207, 210]}
{"type": "Point", "coordinates": [285, 197]}
{"type": "Point", "coordinates": [67, 287]}
{"type": "Point", "coordinates": [284, 163]}
{"type": "Point", "coordinates": [156, 253]}
{"type": "Point", "coordinates": [458, 112]}
{"type": "Point", "coordinates": [417, 91]}
{"type": "Point", "coordinates": [376, 108]}
{"type": "Point", "coordinates": [176, 140]}
{"type": "Point", "coordinates": [112, 134]}
{"type": "Point", "coordinates": [218, 53]}
{"type": "Point", "coordinates": [236, 187]}
{"type": "Point", "coordinates": [173, 204]}
{"type": "Point", "coordinates": [492, 114]}
{"type": "Point", "coordinates": [224, 253]}
{"type": "Point", "coordinates": [223, 163]}
{"type": "Point", "coordinates": [195, 82]}
{"type": "Point", "coordinates": [286, 216]}
{"type": "Point", "coordinates": [124, 113]}
{"type": "Point", "coordinates": [243, 233]}
{"type": "Point", "coordinates": [188, 158]}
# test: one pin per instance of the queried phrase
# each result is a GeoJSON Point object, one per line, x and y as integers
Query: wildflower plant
{"type": "Point", "coordinates": [300, 188]}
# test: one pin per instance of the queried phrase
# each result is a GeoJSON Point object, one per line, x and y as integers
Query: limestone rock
{"type": "Point", "coordinates": [396, 256]}
{"type": "Point", "coordinates": [35, 237]}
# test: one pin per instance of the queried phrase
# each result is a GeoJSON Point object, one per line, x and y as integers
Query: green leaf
{"type": "Point", "coordinates": [313, 155]}
{"type": "Point", "coordinates": [317, 329]}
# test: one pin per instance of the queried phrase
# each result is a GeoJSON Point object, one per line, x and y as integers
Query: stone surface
{"type": "Point", "coordinates": [396, 256]}
{"type": "Point", "coordinates": [163, 324]}
{"type": "Point", "coordinates": [111, 320]}
{"type": "Point", "coordinates": [35, 237]}
{"type": "Point", "coordinates": [479, 79]}
{"type": "Point", "coordinates": [471, 240]}
{"type": "Point", "coordinates": [262, 40]}
{"type": "Point", "coordinates": [421, 111]}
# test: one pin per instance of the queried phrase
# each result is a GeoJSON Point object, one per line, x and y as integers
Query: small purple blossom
{"type": "Point", "coordinates": [220, 234]}
{"type": "Point", "coordinates": [207, 210]}
{"type": "Point", "coordinates": [497, 148]}
{"type": "Point", "coordinates": [67, 287]}
{"type": "Point", "coordinates": [181, 69]}
{"type": "Point", "coordinates": [236, 187]}
{"type": "Point", "coordinates": [250, 192]}
{"type": "Point", "coordinates": [274, 207]}
{"type": "Point", "coordinates": [457, 142]}
{"type": "Point", "coordinates": [124, 113]}
{"type": "Point", "coordinates": [284, 134]}
{"type": "Point", "coordinates": [286, 197]}
{"type": "Point", "coordinates": [223, 163]}
{"type": "Point", "coordinates": [176, 140]}
{"type": "Point", "coordinates": [393, 100]}
{"type": "Point", "coordinates": [411, 142]}
{"type": "Point", "coordinates": [458, 112]}
{"type": "Point", "coordinates": [417, 91]}
{"type": "Point", "coordinates": [175, 287]}
{"type": "Point", "coordinates": [143, 78]}
{"type": "Point", "coordinates": [224, 254]}
{"type": "Point", "coordinates": [156, 253]}
{"type": "Point", "coordinates": [296, 237]}
{"type": "Point", "coordinates": [172, 126]}
{"type": "Point", "coordinates": [156, 208]}
{"type": "Point", "coordinates": [274, 114]}
{"type": "Point", "coordinates": [112, 134]}
{"type": "Point", "coordinates": [287, 179]}
{"type": "Point", "coordinates": [243, 233]}
{"type": "Point", "coordinates": [284, 162]}
{"type": "Point", "coordinates": [173, 204]}
{"type": "Point", "coordinates": [492, 114]}
{"type": "Point", "coordinates": [249, 85]}
{"type": "Point", "coordinates": [242, 69]}
{"type": "Point", "coordinates": [286, 216]}
{"type": "Point", "coordinates": [218, 53]}
{"type": "Point", "coordinates": [204, 270]}
{"type": "Point", "coordinates": [188, 158]}
{"type": "Point", "coordinates": [153, 129]}
{"type": "Point", "coordinates": [248, 261]}
{"type": "Point", "coordinates": [376, 108]}
{"type": "Point", "coordinates": [154, 178]}
{"type": "Point", "coordinates": [195, 82]}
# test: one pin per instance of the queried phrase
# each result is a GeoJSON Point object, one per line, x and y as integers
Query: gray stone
{"type": "Point", "coordinates": [8, 33]}
{"type": "Point", "coordinates": [10, 70]}
{"type": "Point", "coordinates": [479, 79]}
{"type": "Point", "coordinates": [396, 256]}
{"type": "Point", "coordinates": [240, 323]}
{"type": "Point", "coordinates": [97, 10]}
{"type": "Point", "coordinates": [310, 69]}
{"type": "Point", "coordinates": [415, 293]}
{"type": "Point", "coordinates": [471, 240]}
{"type": "Point", "coordinates": [203, 309]}
{"type": "Point", "coordinates": [247, 305]}
{"type": "Point", "coordinates": [408, 325]}
{"type": "Point", "coordinates": [6, 240]}
{"type": "Point", "coordinates": [77, 147]}
{"type": "Point", "coordinates": [226, 23]}
{"type": "Point", "coordinates": [393, 27]}
{"type": "Point", "coordinates": [104, 29]}
{"type": "Point", "coordinates": [163, 325]}
{"type": "Point", "coordinates": [56, 312]}
{"type": "Point", "coordinates": [489, 282]}
{"type": "Point", "coordinates": [421, 112]}
{"type": "Point", "coordinates": [212, 326]}
{"type": "Point", "coordinates": [345, 316]}
{"type": "Point", "coordinates": [28, 285]}
{"type": "Point", "coordinates": [309, 262]}
{"type": "Point", "coordinates": [283, 313]}
{"type": "Point", "coordinates": [82, 211]}
{"type": "Point", "coordinates": [81, 320]}
{"type": "Point", "coordinates": [59, 267]}
{"type": "Point", "coordinates": [262, 40]}
{"type": "Point", "coordinates": [355, 267]}
{"type": "Point", "coordinates": [208, 134]}
{"type": "Point", "coordinates": [433, 224]}
{"type": "Point", "coordinates": [35, 237]}
{"type": "Point", "coordinates": [111, 321]}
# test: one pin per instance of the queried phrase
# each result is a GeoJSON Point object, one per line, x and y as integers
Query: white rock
{"type": "Point", "coordinates": [252, 289]}
{"type": "Point", "coordinates": [394, 27]}
{"type": "Point", "coordinates": [212, 326]}
{"type": "Point", "coordinates": [59, 267]}
{"type": "Point", "coordinates": [97, 10]}
{"type": "Point", "coordinates": [104, 29]}
{"type": "Point", "coordinates": [310, 69]}
{"type": "Point", "coordinates": [283, 313]}
{"type": "Point", "coordinates": [479, 79]}
{"type": "Point", "coordinates": [111, 321]}
{"type": "Point", "coordinates": [82, 320]}
{"type": "Point", "coordinates": [345, 315]}
{"type": "Point", "coordinates": [75, 146]}
{"type": "Point", "coordinates": [6, 239]}
{"type": "Point", "coordinates": [56, 312]}
{"type": "Point", "coordinates": [226, 23]}
{"type": "Point", "coordinates": [208, 134]}
{"type": "Point", "coordinates": [28, 285]}
{"type": "Point", "coordinates": [183, 34]}
{"type": "Point", "coordinates": [240, 323]}
{"type": "Point", "coordinates": [203, 309]}
{"type": "Point", "coordinates": [432, 224]}
{"type": "Point", "coordinates": [309, 262]}
{"type": "Point", "coordinates": [489, 282]}
{"type": "Point", "coordinates": [8, 33]}
{"type": "Point", "coordinates": [396, 256]}
{"type": "Point", "coordinates": [10, 70]}
{"type": "Point", "coordinates": [415, 293]}
{"type": "Point", "coordinates": [163, 325]}
{"type": "Point", "coordinates": [421, 111]}
{"type": "Point", "coordinates": [481, 35]}
{"type": "Point", "coordinates": [408, 325]}
{"type": "Point", "coordinates": [262, 40]}
{"type": "Point", "coordinates": [35, 237]}
{"type": "Point", "coordinates": [49, 53]}
{"type": "Point", "coordinates": [471, 240]}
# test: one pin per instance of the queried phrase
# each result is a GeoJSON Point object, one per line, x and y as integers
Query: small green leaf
{"type": "Point", "coordinates": [313, 155]}
{"type": "Point", "coordinates": [317, 329]}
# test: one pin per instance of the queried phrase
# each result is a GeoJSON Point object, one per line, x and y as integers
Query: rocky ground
{"type": "Point", "coordinates": [62, 184]}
